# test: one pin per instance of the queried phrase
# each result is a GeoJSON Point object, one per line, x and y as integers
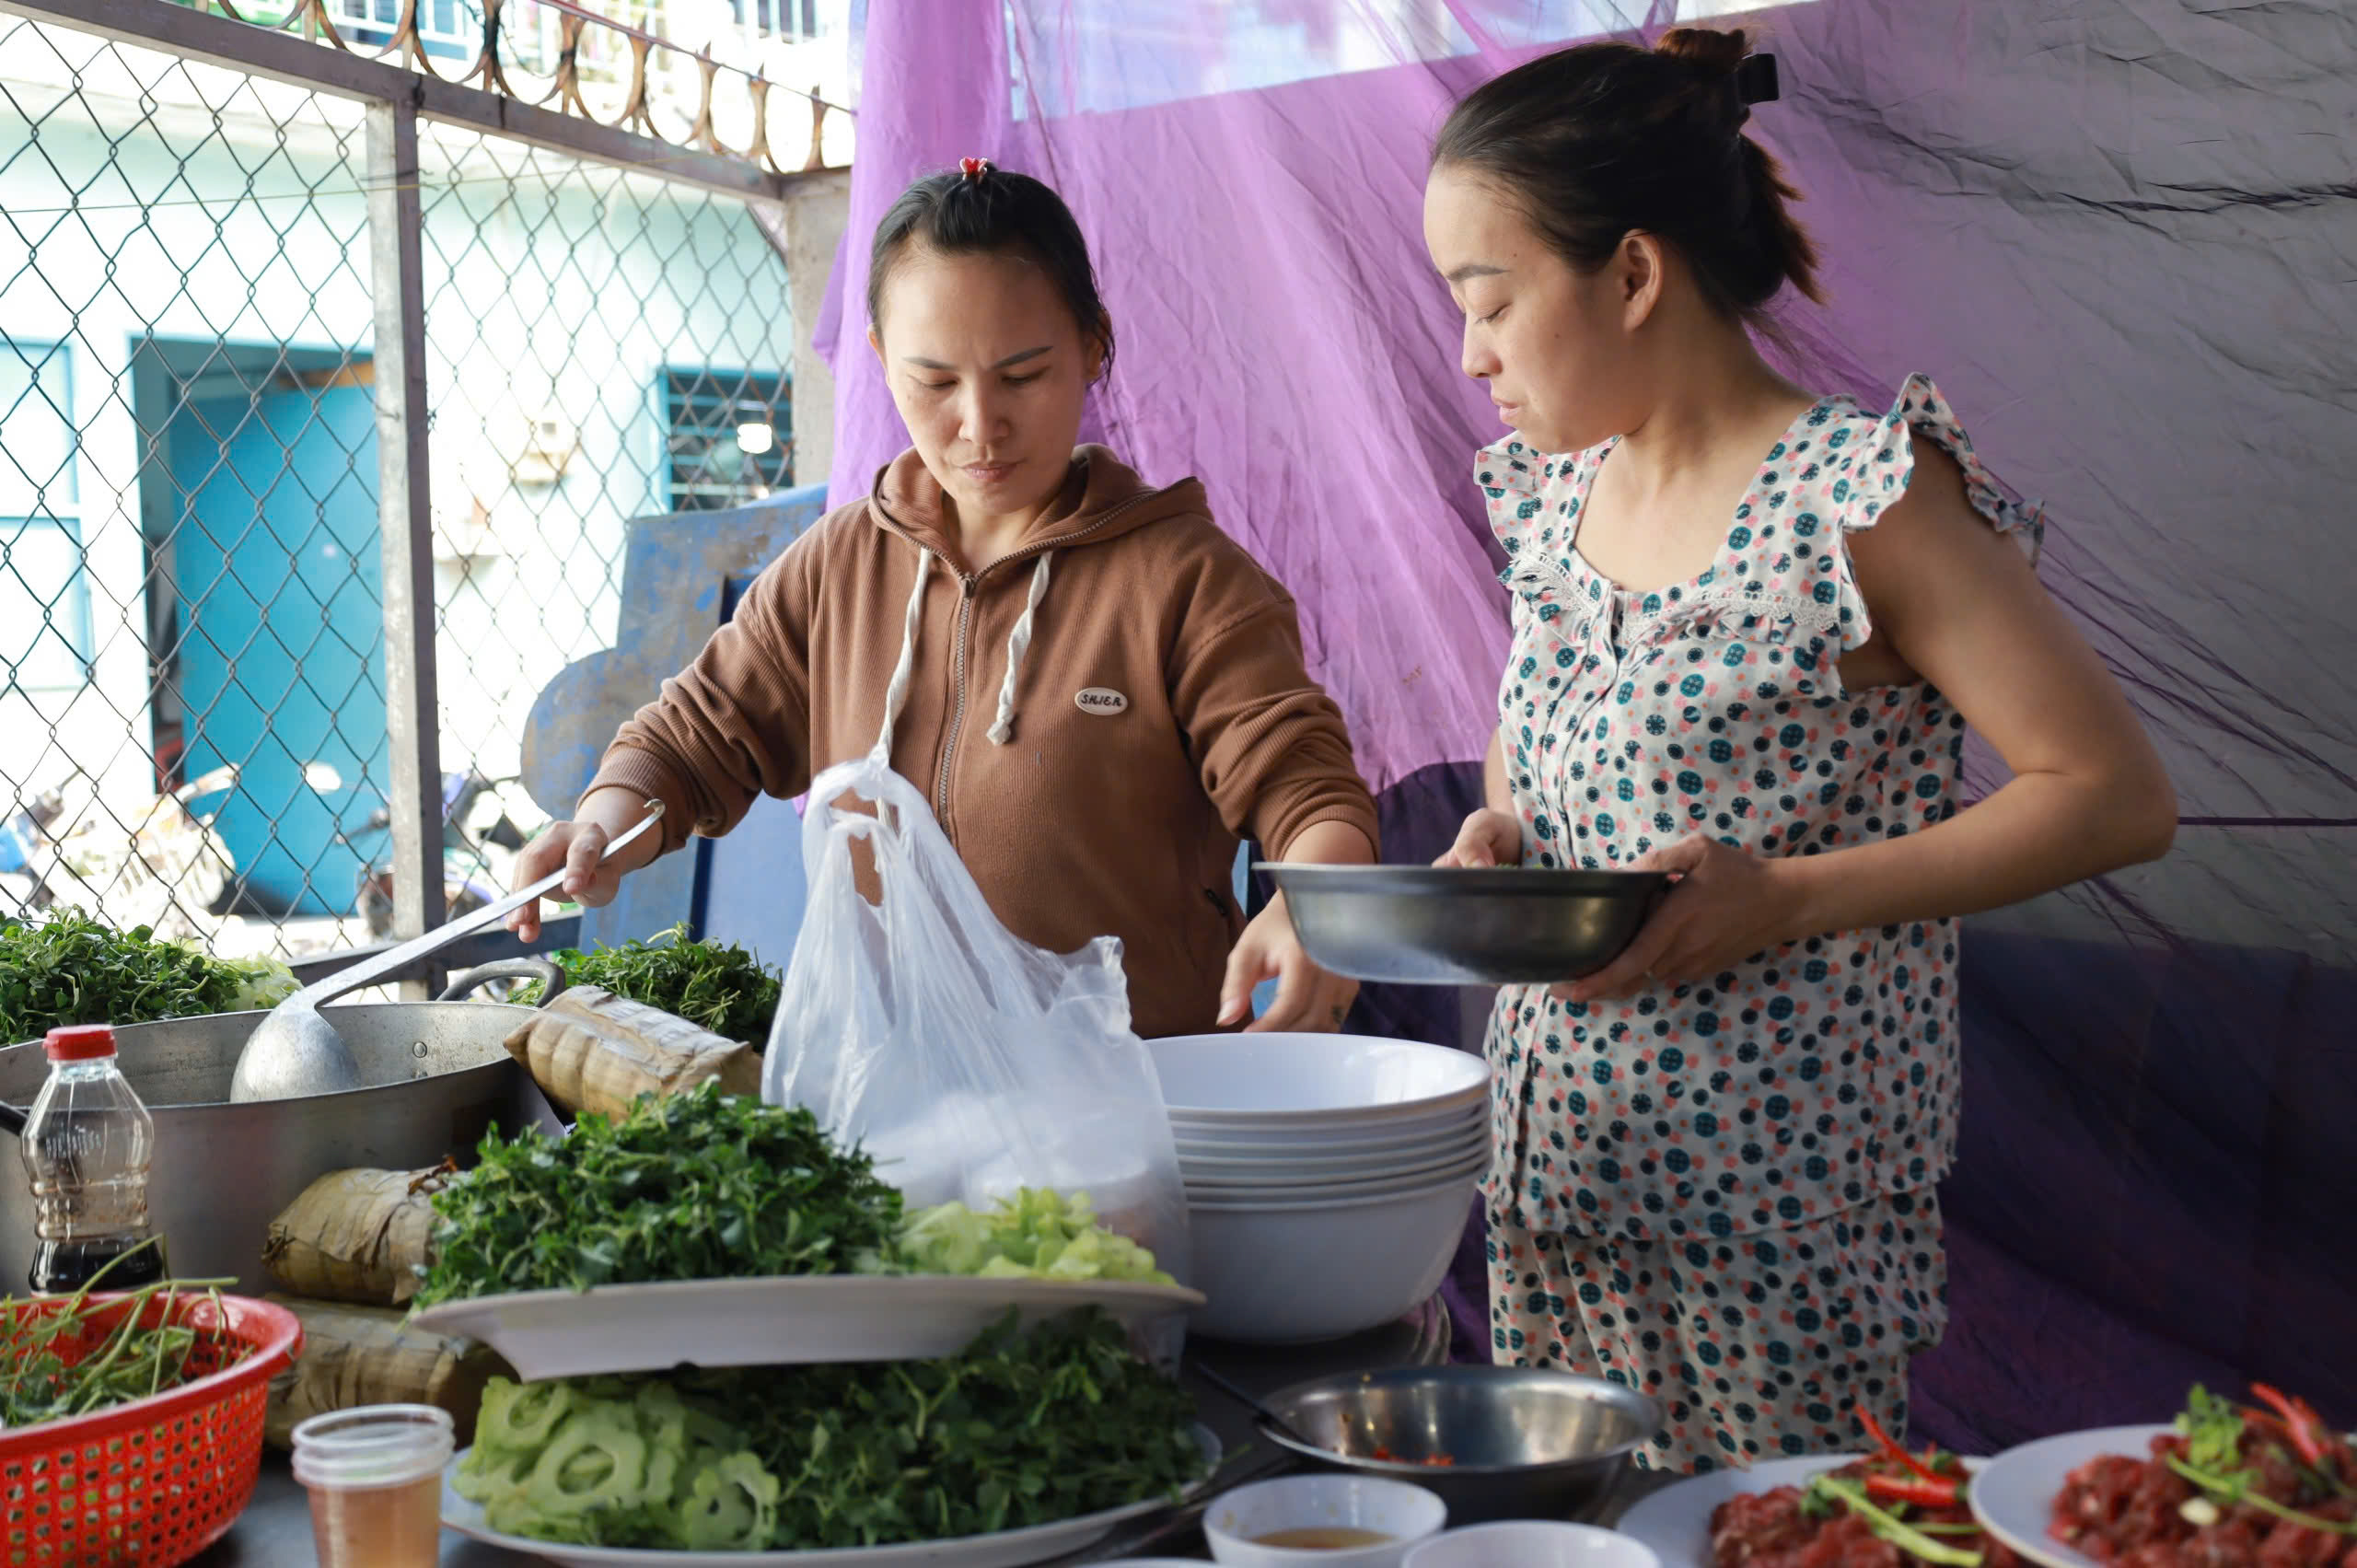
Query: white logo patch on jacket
{"type": "Point", "coordinates": [1102, 701]}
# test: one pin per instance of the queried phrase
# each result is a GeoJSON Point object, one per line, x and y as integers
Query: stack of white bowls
{"type": "Point", "coordinates": [1328, 1177]}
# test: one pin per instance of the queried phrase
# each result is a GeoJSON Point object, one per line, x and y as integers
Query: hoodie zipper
{"type": "Point", "coordinates": [968, 583]}
{"type": "Point", "coordinates": [965, 586]}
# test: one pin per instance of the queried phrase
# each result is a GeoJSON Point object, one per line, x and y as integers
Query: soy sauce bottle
{"type": "Point", "coordinates": [86, 1145]}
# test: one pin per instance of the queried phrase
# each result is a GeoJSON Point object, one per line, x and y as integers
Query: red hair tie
{"type": "Point", "coordinates": [974, 168]}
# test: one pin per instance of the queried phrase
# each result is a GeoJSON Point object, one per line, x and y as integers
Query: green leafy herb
{"type": "Point", "coordinates": [1020, 1429]}
{"type": "Point", "coordinates": [1889, 1526]}
{"type": "Point", "coordinates": [2220, 1443]}
{"type": "Point", "coordinates": [70, 968]}
{"type": "Point", "coordinates": [2242, 1488]}
{"type": "Point", "coordinates": [696, 1186]}
{"type": "Point", "coordinates": [59, 1360]}
{"type": "Point", "coordinates": [713, 985]}
{"type": "Point", "coordinates": [2212, 1428]}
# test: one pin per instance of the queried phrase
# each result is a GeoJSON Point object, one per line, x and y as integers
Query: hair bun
{"type": "Point", "coordinates": [1707, 47]}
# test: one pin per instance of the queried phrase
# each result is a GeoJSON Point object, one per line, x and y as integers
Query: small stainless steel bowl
{"type": "Point", "coordinates": [1450, 925]}
{"type": "Point", "coordinates": [1524, 1443]}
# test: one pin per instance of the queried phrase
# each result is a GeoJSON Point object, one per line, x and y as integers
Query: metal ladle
{"type": "Point", "coordinates": [296, 1051]}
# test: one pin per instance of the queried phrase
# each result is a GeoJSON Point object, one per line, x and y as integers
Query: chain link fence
{"type": "Point", "coordinates": [193, 725]}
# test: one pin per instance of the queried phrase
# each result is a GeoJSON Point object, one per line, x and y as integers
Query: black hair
{"type": "Point", "coordinates": [1605, 139]}
{"type": "Point", "coordinates": [992, 211]}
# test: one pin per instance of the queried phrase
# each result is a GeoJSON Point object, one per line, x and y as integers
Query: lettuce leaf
{"type": "Point", "coordinates": [1037, 1233]}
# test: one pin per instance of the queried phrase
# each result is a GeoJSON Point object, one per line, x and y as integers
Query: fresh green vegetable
{"type": "Point", "coordinates": [70, 968]}
{"type": "Point", "coordinates": [1020, 1429]}
{"type": "Point", "coordinates": [1889, 1526]}
{"type": "Point", "coordinates": [2243, 1488]}
{"type": "Point", "coordinates": [2222, 1442]}
{"type": "Point", "coordinates": [2213, 1432]}
{"type": "Point", "coordinates": [40, 1381]}
{"type": "Point", "coordinates": [713, 985]}
{"type": "Point", "coordinates": [262, 984]}
{"type": "Point", "coordinates": [696, 1186]}
{"type": "Point", "coordinates": [1035, 1234]}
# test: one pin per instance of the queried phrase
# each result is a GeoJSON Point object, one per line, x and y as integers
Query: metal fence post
{"type": "Point", "coordinates": [396, 282]}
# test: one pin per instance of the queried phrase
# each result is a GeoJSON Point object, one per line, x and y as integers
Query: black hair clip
{"type": "Point", "coordinates": [1755, 79]}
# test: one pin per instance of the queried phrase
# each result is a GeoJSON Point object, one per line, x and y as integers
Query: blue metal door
{"type": "Point", "coordinates": [282, 666]}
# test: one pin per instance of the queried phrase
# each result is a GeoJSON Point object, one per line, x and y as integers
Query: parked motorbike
{"type": "Point", "coordinates": [154, 863]}
{"type": "Point", "coordinates": [479, 841]}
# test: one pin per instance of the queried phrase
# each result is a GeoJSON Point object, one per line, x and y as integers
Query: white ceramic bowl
{"type": "Point", "coordinates": [1283, 1194]}
{"type": "Point", "coordinates": [1348, 1138]}
{"type": "Point", "coordinates": [1427, 1168]}
{"type": "Point", "coordinates": [1404, 1514]}
{"type": "Point", "coordinates": [1272, 1080]}
{"type": "Point", "coordinates": [1336, 1195]}
{"type": "Point", "coordinates": [1300, 1272]}
{"type": "Point", "coordinates": [1531, 1543]}
{"type": "Point", "coordinates": [1332, 1189]}
{"type": "Point", "coordinates": [1305, 1158]}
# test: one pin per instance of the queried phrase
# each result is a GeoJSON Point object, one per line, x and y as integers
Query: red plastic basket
{"type": "Point", "coordinates": [150, 1483]}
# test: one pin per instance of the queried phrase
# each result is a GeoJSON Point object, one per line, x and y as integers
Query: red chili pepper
{"type": "Point", "coordinates": [1939, 1492]}
{"type": "Point", "coordinates": [2301, 1425]}
{"type": "Point", "coordinates": [1891, 1447]}
{"type": "Point", "coordinates": [2267, 1423]}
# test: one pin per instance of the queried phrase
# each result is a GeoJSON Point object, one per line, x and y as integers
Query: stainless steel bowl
{"type": "Point", "coordinates": [1524, 1443]}
{"type": "Point", "coordinates": [1445, 925]}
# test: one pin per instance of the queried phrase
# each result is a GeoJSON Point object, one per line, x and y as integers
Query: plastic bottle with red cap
{"type": "Point", "coordinates": [86, 1146]}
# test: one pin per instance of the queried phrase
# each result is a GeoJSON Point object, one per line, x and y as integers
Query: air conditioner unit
{"type": "Point", "coordinates": [549, 444]}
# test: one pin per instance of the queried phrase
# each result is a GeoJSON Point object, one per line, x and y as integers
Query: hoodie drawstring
{"type": "Point", "coordinates": [896, 695]}
{"type": "Point", "coordinates": [1018, 643]}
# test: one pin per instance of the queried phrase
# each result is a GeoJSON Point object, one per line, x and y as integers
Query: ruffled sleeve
{"type": "Point", "coordinates": [1875, 474]}
{"type": "Point", "coordinates": [1533, 504]}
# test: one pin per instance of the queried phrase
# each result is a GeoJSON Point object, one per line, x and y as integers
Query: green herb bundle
{"type": "Point", "coordinates": [696, 1186]}
{"type": "Point", "coordinates": [1021, 1429]}
{"type": "Point", "coordinates": [70, 968]}
{"type": "Point", "coordinates": [713, 985]}
{"type": "Point", "coordinates": [130, 1360]}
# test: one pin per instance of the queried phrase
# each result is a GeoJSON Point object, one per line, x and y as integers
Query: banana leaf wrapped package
{"type": "Point", "coordinates": [595, 1053]}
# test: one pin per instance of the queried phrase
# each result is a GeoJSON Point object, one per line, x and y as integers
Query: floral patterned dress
{"type": "Point", "coordinates": [1682, 1143]}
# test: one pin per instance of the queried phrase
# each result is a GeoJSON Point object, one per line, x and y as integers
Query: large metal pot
{"type": "Point", "coordinates": [440, 1077]}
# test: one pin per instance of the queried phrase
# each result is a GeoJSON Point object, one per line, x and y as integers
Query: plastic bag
{"type": "Point", "coordinates": [969, 1062]}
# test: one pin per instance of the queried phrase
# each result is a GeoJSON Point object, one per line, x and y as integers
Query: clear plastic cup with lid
{"type": "Point", "coordinates": [374, 1477]}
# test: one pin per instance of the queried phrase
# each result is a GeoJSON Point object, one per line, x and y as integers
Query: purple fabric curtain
{"type": "Point", "coordinates": [2121, 234]}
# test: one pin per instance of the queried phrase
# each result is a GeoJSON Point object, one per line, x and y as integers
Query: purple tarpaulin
{"type": "Point", "coordinates": [2123, 235]}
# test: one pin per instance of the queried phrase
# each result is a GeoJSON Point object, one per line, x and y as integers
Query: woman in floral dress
{"type": "Point", "coordinates": [1750, 627]}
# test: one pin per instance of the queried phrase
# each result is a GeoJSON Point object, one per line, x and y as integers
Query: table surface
{"type": "Point", "coordinates": [275, 1530]}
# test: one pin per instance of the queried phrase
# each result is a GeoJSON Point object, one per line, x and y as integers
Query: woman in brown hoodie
{"type": "Point", "coordinates": [1100, 691]}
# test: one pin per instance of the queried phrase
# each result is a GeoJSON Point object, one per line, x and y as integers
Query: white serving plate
{"type": "Point", "coordinates": [1008, 1548]}
{"type": "Point", "coordinates": [2014, 1498]}
{"type": "Point", "coordinates": [1311, 1080]}
{"type": "Point", "coordinates": [1675, 1521]}
{"type": "Point", "coordinates": [775, 1321]}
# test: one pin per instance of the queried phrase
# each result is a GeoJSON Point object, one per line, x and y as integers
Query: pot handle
{"type": "Point", "coordinates": [12, 1120]}
{"type": "Point", "coordinates": [550, 975]}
